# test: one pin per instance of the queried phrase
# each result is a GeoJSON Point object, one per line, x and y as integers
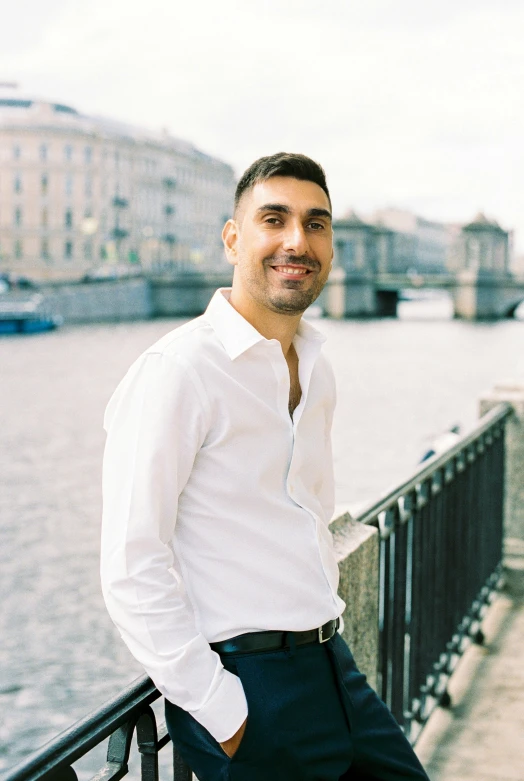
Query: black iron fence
{"type": "Point", "coordinates": [441, 541]}
{"type": "Point", "coordinates": [441, 537]}
{"type": "Point", "coordinates": [127, 715]}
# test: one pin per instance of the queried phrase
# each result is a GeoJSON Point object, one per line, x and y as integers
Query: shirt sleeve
{"type": "Point", "coordinates": [156, 422]}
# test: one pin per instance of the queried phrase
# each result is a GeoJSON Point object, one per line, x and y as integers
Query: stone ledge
{"type": "Point", "coordinates": [357, 553]}
{"type": "Point", "coordinates": [511, 391]}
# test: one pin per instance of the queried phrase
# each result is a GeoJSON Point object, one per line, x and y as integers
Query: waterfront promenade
{"type": "Point", "coordinates": [480, 737]}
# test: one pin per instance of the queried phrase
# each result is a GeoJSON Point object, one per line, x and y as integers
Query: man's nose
{"type": "Point", "coordinates": [295, 239]}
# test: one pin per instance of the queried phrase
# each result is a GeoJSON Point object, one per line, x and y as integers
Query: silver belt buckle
{"type": "Point", "coordinates": [321, 638]}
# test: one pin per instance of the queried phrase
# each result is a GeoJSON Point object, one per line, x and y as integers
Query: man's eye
{"type": "Point", "coordinates": [273, 220]}
{"type": "Point", "coordinates": [316, 226]}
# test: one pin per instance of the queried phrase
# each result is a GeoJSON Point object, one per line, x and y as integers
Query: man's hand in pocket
{"type": "Point", "coordinates": [231, 745]}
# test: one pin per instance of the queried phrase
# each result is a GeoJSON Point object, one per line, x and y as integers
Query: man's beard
{"type": "Point", "coordinates": [301, 299]}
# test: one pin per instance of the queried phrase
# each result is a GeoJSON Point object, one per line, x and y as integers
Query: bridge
{"type": "Point", "coordinates": [371, 268]}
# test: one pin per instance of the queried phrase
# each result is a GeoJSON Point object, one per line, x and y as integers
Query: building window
{"type": "Point", "coordinates": [44, 184]}
{"type": "Point", "coordinates": [17, 183]}
{"type": "Point", "coordinates": [68, 153]}
{"type": "Point", "coordinates": [69, 184]}
{"type": "Point", "coordinates": [68, 250]}
{"type": "Point", "coordinates": [88, 186]}
{"type": "Point", "coordinates": [88, 250]}
{"type": "Point", "coordinates": [119, 202]}
{"type": "Point", "coordinates": [68, 219]}
{"type": "Point", "coordinates": [18, 216]}
{"type": "Point", "coordinates": [473, 253]}
{"type": "Point", "coordinates": [88, 154]}
{"type": "Point", "coordinates": [17, 152]}
{"type": "Point", "coordinates": [45, 218]}
{"type": "Point", "coordinates": [43, 152]}
{"type": "Point", "coordinates": [44, 249]}
{"type": "Point", "coordinates": [19, 250]}
{"type": "Point", "coordinates": [346, 254]}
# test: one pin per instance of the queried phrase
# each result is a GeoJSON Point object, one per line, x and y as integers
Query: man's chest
{"type": "Point", "coordinates": [295, 390]}
{"type": "Point", "coordinates": [252, 405]}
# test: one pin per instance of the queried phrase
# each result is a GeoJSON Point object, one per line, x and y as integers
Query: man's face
{"type": "Point", "coordinates": [281, 244]}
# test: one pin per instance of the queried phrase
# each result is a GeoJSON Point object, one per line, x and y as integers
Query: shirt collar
{"type": "Point", "coordinates": [308, 333]}
{"type": "Point", "coordinates": [237, 335]}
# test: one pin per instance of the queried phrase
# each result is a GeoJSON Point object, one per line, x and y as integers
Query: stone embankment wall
{"type": "Point", "coordinates": [101, 301]}
{"type": "Point", "coordinates": [186, 295]}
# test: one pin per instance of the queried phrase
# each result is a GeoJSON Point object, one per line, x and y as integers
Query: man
{"type": "Point", "coordinates": [217, 561]}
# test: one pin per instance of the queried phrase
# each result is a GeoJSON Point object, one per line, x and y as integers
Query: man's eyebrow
{"type": "Point", "coordinates": [274, 207]}
{"type": "Point", "coordinates": [283, 209]}
{"type": "Point", "coordinates": [319, 213]}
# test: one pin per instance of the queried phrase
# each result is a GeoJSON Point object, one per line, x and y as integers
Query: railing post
{"type": "Point", "coordinates": [513, 393]}
{"type": "Point", "coordinates": [181, 771]}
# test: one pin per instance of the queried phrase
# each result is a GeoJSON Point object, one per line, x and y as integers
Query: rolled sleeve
{"type": "Point", "coordinates": [226, 710]}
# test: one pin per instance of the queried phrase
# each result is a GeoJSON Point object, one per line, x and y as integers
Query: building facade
{"type": "Point", "coordinates": [396, 241]}
{"type": "Point", "coordinates": [421, 245]}
{"type": "Point", "coordinates": [83, 194]}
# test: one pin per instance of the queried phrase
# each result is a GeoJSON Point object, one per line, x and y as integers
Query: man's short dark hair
{"type": "Point", "coordinates": [295, 166]}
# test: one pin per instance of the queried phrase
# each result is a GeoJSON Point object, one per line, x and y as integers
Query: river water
{"type": "Point", "coordinates": [401, 382]}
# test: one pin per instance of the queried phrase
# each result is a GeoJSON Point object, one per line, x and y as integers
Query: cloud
{"type": "Point", "coordinates": [408, 103]}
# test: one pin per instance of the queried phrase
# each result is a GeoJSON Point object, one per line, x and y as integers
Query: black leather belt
{"type": "Point", "coordinates": [252, 642]}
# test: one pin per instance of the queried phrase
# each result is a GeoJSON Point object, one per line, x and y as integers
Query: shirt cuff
{"type": "Point", "coordinates": [225, 712]}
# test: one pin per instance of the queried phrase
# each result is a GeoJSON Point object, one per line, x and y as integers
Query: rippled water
{"type": "Point", "coordinates": [400, 383]}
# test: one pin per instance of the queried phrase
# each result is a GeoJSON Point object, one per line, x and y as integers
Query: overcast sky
{"type": "Point", "coordinates": [406, 103]}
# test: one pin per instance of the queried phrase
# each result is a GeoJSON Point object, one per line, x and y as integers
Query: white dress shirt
{"type": "Point", "coordinates": [217, 504]}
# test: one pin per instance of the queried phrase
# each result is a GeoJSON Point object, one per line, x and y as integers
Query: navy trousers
{"type": "Point", "coordinates": [312, 717]}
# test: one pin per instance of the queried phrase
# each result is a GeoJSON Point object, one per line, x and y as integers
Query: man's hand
{"type": "Point", "coordinates": [231, 745]}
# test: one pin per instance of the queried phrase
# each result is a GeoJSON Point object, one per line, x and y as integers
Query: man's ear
{"type": "Point", "coordinates": [230, 239]}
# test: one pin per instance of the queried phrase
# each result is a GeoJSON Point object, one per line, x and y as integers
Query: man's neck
{"type": "Point", "coordinates": [272, 325]}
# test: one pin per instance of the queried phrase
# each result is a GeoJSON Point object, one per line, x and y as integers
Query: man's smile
{"type": "Point", "coordinates": [291, 271]}
{"type": "Point", "coordinates": [293, 268]}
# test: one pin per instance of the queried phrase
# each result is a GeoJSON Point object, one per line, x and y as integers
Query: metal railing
{"type": "Point", "coordinates": [441, 547]}
{"type": "Point", "coordinates": [441, 538]}
{"type": "Point", "coordinates": [119, 719]}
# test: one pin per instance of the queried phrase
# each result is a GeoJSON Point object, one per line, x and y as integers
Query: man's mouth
{"type": "Point", "coordinates": [292, 271]}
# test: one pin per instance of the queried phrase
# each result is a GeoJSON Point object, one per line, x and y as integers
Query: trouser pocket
{"type": "Point", "coordinates": [197, 747]}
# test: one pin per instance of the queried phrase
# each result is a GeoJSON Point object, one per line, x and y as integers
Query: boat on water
{"type": "Point", "coordinates": [26, 315]}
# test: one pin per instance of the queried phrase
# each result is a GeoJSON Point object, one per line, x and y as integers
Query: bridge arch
{"type": "Point", "coordinates": [511, 310]}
